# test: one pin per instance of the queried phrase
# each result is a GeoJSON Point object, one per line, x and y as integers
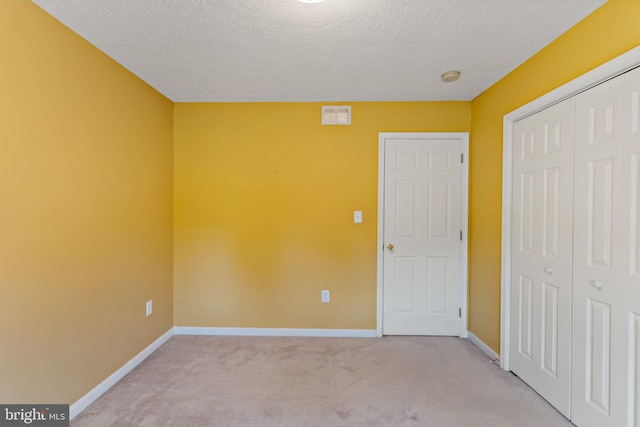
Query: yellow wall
{"type": "Point", "coordinates": [85, 211]}
{"type": "Point", "coordinates": [264, 201]}
{"type": "Point", "coordinates": [608, 32]}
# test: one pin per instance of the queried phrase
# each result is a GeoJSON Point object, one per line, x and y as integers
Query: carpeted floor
{"type": "Point", "coordinates": [196, 381]}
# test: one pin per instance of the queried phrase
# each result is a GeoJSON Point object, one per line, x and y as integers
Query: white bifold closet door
{"type": "Point", "coordinates": [606, 256]}
{"type": "Point", "coordinates": [575, 281]}
{"type": "Point", "coordinates": [542, 252]}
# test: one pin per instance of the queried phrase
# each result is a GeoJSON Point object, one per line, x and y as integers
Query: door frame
{"type": "Point", "coordinates": [463, 137]}
{"type": "Point", "coordinates": [606, 71]}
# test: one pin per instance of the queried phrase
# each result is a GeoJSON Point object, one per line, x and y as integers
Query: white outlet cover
{"type": "Point", "coordinates": [149, 307]}
{"type": "Point", "coordinates": [325, 296]}
{"type": "Point", "coordinates": [357, 217]}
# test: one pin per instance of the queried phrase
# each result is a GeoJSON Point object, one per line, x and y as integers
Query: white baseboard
{"type": "Point", "coordinates": [275, 332]}
{"type": "Point", "coordinates": [482, 346]}
{"type": "Point", "coordinates": [86, 400]}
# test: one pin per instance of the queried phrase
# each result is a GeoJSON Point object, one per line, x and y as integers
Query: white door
{"type": "Point", "coordinates": [606, 309]}
{"type": "Point", "coordinates": [422, 283]}
{"type": "Point", "coordinates": [541, 253]}
{"type": "Point", "coordinates": [629, 292]}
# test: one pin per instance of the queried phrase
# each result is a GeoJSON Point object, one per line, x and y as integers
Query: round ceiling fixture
{"type": "Point", "coordinates": [310, 1]}
{"type": "Point", "coordinates": [450, 76]}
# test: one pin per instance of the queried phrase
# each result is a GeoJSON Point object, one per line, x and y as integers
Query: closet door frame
{"type": "Point", "coordinates": [606, 71]}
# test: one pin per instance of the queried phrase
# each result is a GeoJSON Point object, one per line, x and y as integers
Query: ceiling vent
{"type": "Point", "coordinates": [336, 115]}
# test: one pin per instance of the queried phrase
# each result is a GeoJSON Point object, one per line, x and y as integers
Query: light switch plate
{"type": "Point", "coordinates": [357, 217]}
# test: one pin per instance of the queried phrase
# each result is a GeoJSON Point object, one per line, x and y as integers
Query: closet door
{"type": "Point", "coordinates": [542, 254]}
{"type": "Point", "coordinates": [606, 309]}
{"type": "Point", "coordinates": [630, 287]}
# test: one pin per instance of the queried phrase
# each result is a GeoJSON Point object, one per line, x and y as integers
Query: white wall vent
{"type": "Point", "coordinates": [337, 115]}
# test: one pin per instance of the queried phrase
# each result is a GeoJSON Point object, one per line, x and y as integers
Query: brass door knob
{"type": "Point", "coordinates": [390, 246]}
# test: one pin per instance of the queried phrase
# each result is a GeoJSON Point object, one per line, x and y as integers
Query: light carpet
{"type": "Point", "coordinates": [196, 381]}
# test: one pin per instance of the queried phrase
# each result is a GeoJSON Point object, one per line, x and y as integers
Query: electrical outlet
{"type": "Point", "coordinates": [149, 307]}
{"type": "Point", "coordinates": [325, 296]}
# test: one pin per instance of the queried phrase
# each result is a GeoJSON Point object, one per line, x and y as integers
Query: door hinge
{"type": "Point", "coordinates": [461, 235]}
{"type": "Point", "coordinates": [461, 157]}
{"type": "Point", "coordinates": [460, 312]}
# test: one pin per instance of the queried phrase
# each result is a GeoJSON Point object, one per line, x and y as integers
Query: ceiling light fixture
{"type": "Point", "coordinates": [310, 1]}
{"type": "Point", "coordinates": [450, 76]}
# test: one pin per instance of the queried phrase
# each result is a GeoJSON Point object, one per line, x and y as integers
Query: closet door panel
{"type": "Point", "coordinates": [541, 252]}
{"type": "Point", "coordinates": [630, 274]}
{"type": "Point", "coordinates": [601, 258]}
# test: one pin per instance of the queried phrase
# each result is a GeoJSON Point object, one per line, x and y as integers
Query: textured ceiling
{"type": "Point", "coordinates": [338, 50]}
